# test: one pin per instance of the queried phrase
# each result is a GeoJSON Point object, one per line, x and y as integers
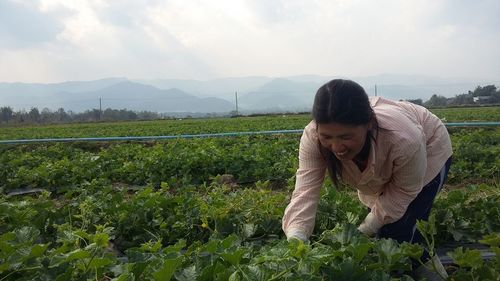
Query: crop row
{"type": "Point", "coordinates": [215, 125]}
{"type": "Point", "coordinates": [182, 223]}
{"type": "Point", "coordinates": [216, 232]}
{"type": "Point", "coordinates": [180, 161]}
{"type": "Point", "coordinates": [194, 161]}
{"type": "Point", "coordinates": [158, 128]}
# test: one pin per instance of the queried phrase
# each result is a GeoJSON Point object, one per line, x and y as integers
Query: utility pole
{"type": "Point", "coordinates": [100, 109]}
{"type": "Point", "coordinates": [375, 89]}
{"type": "Point", "coordinates": [236, 95]}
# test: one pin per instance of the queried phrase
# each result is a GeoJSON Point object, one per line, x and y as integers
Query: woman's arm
{"type": "Point", "coordinates": [300, 214]}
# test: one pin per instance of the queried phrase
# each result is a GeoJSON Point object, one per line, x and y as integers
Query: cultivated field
{"type": "Point", "coordinates": [160, 210]}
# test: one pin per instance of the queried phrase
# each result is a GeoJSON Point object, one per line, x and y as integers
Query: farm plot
{"type": "Point", "coordinates": [161, 211]}
{"type": "Point", "coordinates": [214, 125]}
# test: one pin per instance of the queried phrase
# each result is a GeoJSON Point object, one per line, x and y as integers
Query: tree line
{"type": "Point", "coordinates": [481, 95]}
{"type": "Point", "coordinates": [47, 116]}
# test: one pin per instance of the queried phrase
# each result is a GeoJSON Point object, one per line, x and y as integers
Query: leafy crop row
{"type": "Point", "coordinates": [213, 125]}
{"type": "Point", "coordinates": [181, 161]}
{"type": "Point", "coordinates": [194, 161]}
{"type": "Point", "coordinates": [471, 114]}
{"type": "Point", "coordinates": [181, 223]}
{"type": "Point", "coordinates": [212, 232]}
{"type": "Point", "coordinates": [158, 128]}
{"type": "Point", "coordinates": [475, 154]}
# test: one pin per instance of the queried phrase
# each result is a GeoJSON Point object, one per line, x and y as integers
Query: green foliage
{"type": "Point", "coordinates": [210, 232]}
{"type": "Point", "coordinates": [195, 161]}
{"type": "Point", "coordinates": [488, 90]}
{"type": "Point", "coordinates": [158, 128]}
{"type": "Point", "coordinates": [179, 223]}
{"type": "Point", "coordinates": [176, 163]}
{"type": "Point", "coordinates": [471, 265]}
{"type": "Point", "coordinates": [436, 101]}
{"type": "Point", "coordinates": [467, 214]}
{"type": "Point", "coordinates": [470, 114]}
{"type": "Point", "coordinates": [76, 255]}
{"type": "Point", "coordinates": [475, 155]}
{"type": "Point", "coordinates": [335, 206]}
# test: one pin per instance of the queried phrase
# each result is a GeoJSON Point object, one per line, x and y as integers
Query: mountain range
{"type": "Point", "coordinates": [254, 93]}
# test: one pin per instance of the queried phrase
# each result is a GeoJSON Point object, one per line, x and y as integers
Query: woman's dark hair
{"type": "Point", "coordinates": [345, 102]}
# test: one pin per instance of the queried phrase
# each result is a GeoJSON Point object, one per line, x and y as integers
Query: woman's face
{"type": "Point", "coordinates": [345, 141]}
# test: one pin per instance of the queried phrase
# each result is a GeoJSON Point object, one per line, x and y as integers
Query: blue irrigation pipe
{"type": "Point", "coordinates": [472, 124]}
{"type": "Point", "coordinates": [213, 135]}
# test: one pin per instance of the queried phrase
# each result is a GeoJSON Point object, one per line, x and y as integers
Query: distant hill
{"type": "Point", "coordinates": [38, 89]}
{"type": "Point", "coordinates": [27, 95]}
{"type": "Point", "coordinates": [281, 93]}
{"type": "Point", "coordinates": [255, 93]}
{"type": "Point", "coordinates": [136, 96]}
{"type": "Point", "coordinates": [126, 94]}
{"type": "Point", "coordinates": [222, 88]}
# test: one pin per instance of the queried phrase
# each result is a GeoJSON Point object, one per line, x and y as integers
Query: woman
{"type": "Point", "coordinates": [396, 154]}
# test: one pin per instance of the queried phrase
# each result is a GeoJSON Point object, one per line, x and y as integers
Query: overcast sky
{"type": "Point", "coordinates": [59, 40]}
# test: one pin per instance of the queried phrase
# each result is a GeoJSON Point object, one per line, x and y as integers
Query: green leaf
{"type": "Point", "coordinates": [168, 269]}
{"type": "Point", "coordinates": [379, 275]}
{"type": "Point", "coordinates": [7, 236]}
{"type": "Point", "coordinates": [491, 239]}
{"type": "Point", "coordinates": [496, 250]}
{"type": "Point", "coordinates": [164, 186]}
{"type": "Point", "coordinates": [253, 272]}
{"type": "Point", "coordinates": [406, 278]}
{"type": "Point", "coordinates": [175, 248]}
{"type": "Point", "coordinates": [5, 248]}
{"type": "Point", "coordinates": [66, 275]}
{"type": "Point", "coordinates": [229, 241]}
{"type": "Point", "coordinates": [234, 257]}
{"type": "Point", "coordinates": [150, 246]}
{"type": "Point", "coordinates": [138, 268]}
{"type": "Point", "coordinates": [349, 270]}
{"type": "Point", "coordinates": [125, 277]}
{"type": "Point", "coordinates": [428, 230]}
{"type": "Point", "coordinates": [390, 254]}
{"type": "Point", "coordinates": [298, 249]}
{"type": "Point", "coordinates": [4, 266]}
{"type": "Point", "coordinates": [26, 234]}
{"type": "Point", "coordinates": [467, 258]}
{"type": "Point", "coordinates": [235, 276]}
{"type": "Point", "coordinates": [187, 274]}
{"type": "Point", "coordinates": [100, 262]}
{"type": "Point", "coordinates": [216, 271]}
{"type": "Point", "coordinates": [211, 246]}
{"type": "Point", "coordinates": [411, 250]}
{"type": "Point", "coordinates": [37, 250]}
{"type": "Point", "coordinates": [77, 254]}
{"type": "Point", "coordinates": [82, 234]}
{"type": "Point", "coordinates": [386, 248]}
{"type": "Point", "coordinates": [345, 234]}
{"type": "Point", "coordinates": [359, 251]}
{"type": "Point", "coordinates": [101, 239]}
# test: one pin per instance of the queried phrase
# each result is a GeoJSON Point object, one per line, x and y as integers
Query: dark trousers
{"type": "Point", "coordinates": [404, 230]}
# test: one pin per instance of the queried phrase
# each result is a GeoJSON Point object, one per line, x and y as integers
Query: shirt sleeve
{"type": "Point", "coordinates": [300, 213]}
{"type": "Point", "coordinates": [407, 181]}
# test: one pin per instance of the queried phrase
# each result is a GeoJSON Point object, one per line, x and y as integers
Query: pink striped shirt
{"type": "Point", "coordinates": [410, 148]}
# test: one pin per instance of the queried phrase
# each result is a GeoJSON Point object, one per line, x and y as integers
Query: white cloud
{"type": "Point", "coordinates": [205, 39]}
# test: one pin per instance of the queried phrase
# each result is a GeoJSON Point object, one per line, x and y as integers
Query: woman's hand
{"type": "Point", "coordinates": [296, 234]}
{"type": "Point", "coordinates": [371, 225]}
